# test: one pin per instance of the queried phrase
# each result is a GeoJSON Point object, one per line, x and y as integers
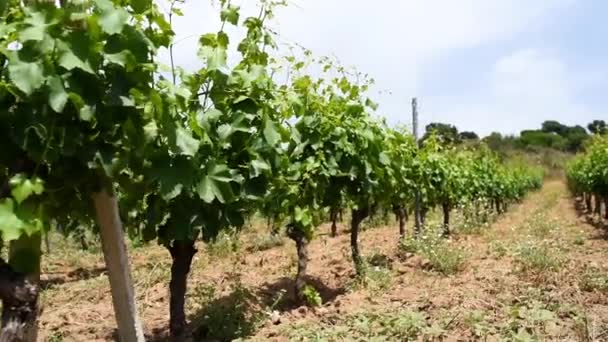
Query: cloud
{"type": "Point", "coordinates": [524, 88]}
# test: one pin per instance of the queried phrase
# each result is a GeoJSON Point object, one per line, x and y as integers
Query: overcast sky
{"type": "Point", "coordinates": [483, 65]}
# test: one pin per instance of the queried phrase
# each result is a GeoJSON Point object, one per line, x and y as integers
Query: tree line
{"type": "Point", "coordinates": [551, 135]}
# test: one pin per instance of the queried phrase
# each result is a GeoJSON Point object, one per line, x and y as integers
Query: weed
{"type": "Point", "coordinates": [379, 219]}
{"type": "Point", "coordinates": [528, 322]}
{"type": "Point", "coordinates": [312, 296]}
{"type": "Point", "coordinates": [380, 260]}
{"type": "Point", "coordinates": [498, 248]}
{"type": "Point", "coordinates": [225, 244]}
{"type": "Point", "coordinates": [594, 279]}
{"type": "Point", "coordinates": [579, 239]}
{"type": "Point", "coordinates": [443, 258]}
{"type": "Point", "coordinates": [538, 225]}
{"type": "Point", "coordinates": [266, 241]}
{"type": "Point", "coordinates": [476, 321]}
{"type": "Point", "coordinates": [402, 325]}
{"type": "Point", "coordinates": [278, 299]}
{"type": "Point", "coordinates": [473, 218]}
{"type": "Point", "coordinates": [535, 257]}
{"type": "Point", "coordinates": [56, 337]}
{"type": "Point", "coordinates": [228, 317]}
{"type": "Point", "coordinates": [375, 279]}
{"type": "Point", "coordinates": [376, 276]}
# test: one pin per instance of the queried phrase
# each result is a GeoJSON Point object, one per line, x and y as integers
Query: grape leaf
{"type": "Point", "coordinates": [185, 142]}
{"type": "Point", "coordinates": [112, 19]}
{"type": "Point", "coordinates": [28, 77]}
{"type": "Point", "coordinates": [58, 97]}
{"type": "Point", "coordinates": [231, 15]}
{"type": "Point", "coordinates": [22, 187]}
{"type": "Point", "coordinates": [216, 184]}
{"type": "Point", "coordinates": [10, 225]}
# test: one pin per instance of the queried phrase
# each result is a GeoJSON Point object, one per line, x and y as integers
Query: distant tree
{"type": "Point", "coordinates": [494, 140]}
{"type": "Point", "coordinates": [552, 126]}
{"type": "Point", "coordinates": [466, 135]}
{"type": "Point", "coordinates": [597, 127]}
{"type": "Point", "coordinates": [446, 133]}
{"type": "Point", "coordinates": [575, 138]}
{"type": "Point", "coordinates": [541, 138]}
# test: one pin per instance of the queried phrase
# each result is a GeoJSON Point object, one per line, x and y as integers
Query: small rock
{"type": "Point", "coordinates": [275, 317]}
{"type": "Point", "coordinates": [321, 311]}
{"type": "Point", "coordinates": [414, 261]}
{"type": "Point", "coordinates": [402, 270]}
{"type": "Point", "coordinates": [303, 310]}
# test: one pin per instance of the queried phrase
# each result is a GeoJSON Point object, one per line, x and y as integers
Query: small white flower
{"type": "Point", "coordinates": [14, 46]}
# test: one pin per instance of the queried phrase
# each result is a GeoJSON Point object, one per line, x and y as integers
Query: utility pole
{"type": "Point", "coordinates": [417, 227]}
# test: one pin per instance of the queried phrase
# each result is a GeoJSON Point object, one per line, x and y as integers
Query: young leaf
{"type": "Point", "coordinates": [231, 15]}
{"type": "Point", "coordinates": [10, 224]}
{"type": "Point", "coordinates": [22, 188]}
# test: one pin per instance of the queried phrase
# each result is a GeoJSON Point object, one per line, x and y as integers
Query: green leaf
{"type": "Point", "coordinates": [173, 176]}
{"type": "Point", "coordinates": [384, 159]}
{"type": "Point", "coordinates": [58, 97]}
{"type": "Point", "coordinates": [28, 77]}
{"type": "Point", "coordinates": [86, 113]}
{"type": "Point", "coordinates": [231, 15]}
{"type": "Point", "coordinates": [22, 187]}
{"type": "Point", "coordinates": [271, 133]}
{"type": "Point", "coordinates": [224, 131]}
{"type": "Point", "coordinates": [140, 6]}
{"type": "Point", "coordinates": [150, 131]}
{"type": "Point", "coordinates": [10, 225]}
{"type": "Point", "coordinates": [124, 58]}
{"type": "Point", "coordinates": [259, 166]}
{"type": "Point", "coordinates": [36, 26]}
{"type": "Point", "coordinates": [185, 142]}
{"type": "Point", "coordinates": [69, 61]}
{"type": "Point", "coordinates": [216, 57]}
{"type": "Point", "coordinates": [216, 185]}
{"type": "Point", "coordinates": [178, 12]}
{"type": "Point", "coordinates": [112, 19]}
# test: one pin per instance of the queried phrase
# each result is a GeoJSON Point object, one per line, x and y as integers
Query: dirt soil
{"type": "Point", "coordinates": [249, 295]}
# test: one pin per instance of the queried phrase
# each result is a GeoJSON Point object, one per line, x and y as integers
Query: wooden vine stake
{"type": "Point", "coordinates": [117, 262]}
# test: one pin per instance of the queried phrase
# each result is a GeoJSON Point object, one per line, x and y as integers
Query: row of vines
{"type": "Point", "coordinates": [587, 175]}
{"type": "Point", "coordinates": [94, 135]}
